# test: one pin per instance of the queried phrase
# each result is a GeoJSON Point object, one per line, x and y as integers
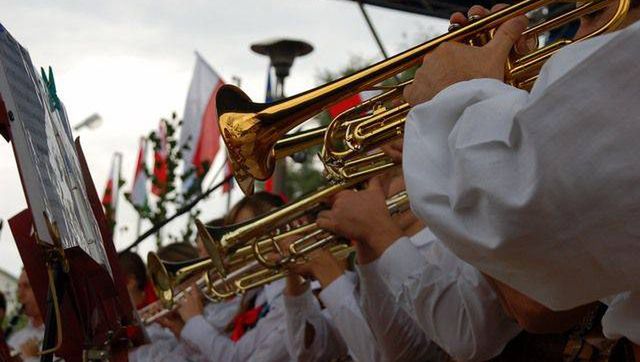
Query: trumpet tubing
{"type": "Point", "coordinates": [158, 309]}
{"type": "Point", "coordinates": [263, 260]}
{"type": "Point", "coordinates": [251, 130]}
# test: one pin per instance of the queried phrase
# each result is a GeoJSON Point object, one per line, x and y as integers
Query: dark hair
{"type": "Point", "coordinates": [178, 252]}
{"type": "Point", "coordinates": [3, 302]}
{"type": "Point", "coordinates": [634, 3]}
{"type": "Point", "coordinates": [132, 265]}
{"type": "Point", "coordinates": [259, 203]}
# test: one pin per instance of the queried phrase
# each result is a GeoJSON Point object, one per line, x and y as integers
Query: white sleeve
{"type": "Point", "coordinates": [622, 318]}
{"type": "Point", "coordinates": [539, 190]}
{"type": "Point", "coordinates": [450, 300]}
{"type": "Point", "coordinates": [398, 336]}
{"type": "Point", "coordinates": [163, 347]}
{"type": "Point", "coordinates": [310, 336]}
{"type": "Point", "coordinates": [262, 343]}
{"type": "Point", "coordinates": [341, 299]}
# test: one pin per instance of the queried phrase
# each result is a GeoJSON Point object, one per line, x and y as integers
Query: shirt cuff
{"type": "Point", "coordinates": [300, 304]}
{"type": "Point", "coordinates": [399, 262]}
{"type": "Point", "coordinates": [337, 292]}
{"type": "Point", "coordinates": [470, 85]}
{"type": "Point", "coordinates": [198, 332]}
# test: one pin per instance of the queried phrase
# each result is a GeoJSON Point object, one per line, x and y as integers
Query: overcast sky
{"type": "Point", "coordinates": [131, 62]}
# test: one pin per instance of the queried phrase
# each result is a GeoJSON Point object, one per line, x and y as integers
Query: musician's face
{"type": "Point", "coordinates": [593, 21]}
{"type": "Point", "coordinates": [245, 214]}
{"type": "Point", "coordinates": [26, 296]}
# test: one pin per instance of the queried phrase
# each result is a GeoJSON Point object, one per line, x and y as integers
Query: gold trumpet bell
{"type": "Point", "coordinates": [212, 247]}
{"type": "Point", "coordinates": [162, 282]}
{"type": "Point", "coordinates": [250, 152]}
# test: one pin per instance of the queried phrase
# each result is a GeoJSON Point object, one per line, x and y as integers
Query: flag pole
{"type": "Point", "coordinates": [138, 226]}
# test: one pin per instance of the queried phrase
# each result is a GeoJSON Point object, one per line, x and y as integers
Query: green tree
{"type": "Point", "coordinates": [171, 196]}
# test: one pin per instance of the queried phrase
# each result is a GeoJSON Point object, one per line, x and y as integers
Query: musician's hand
{"type": "Point", "coordinates": [363, 217]}
{"type": "Point", "coordinates": [322, 266]}
{"type": "Point", "coordinates": [30, 348]}
{"type": "Point", "coordinates": [191, 304]}
{"type": "Point", "coordinates": [172, 322]}
{"type": "Point", "coordinates": [394, 150]}
{"type": "Point", "coordinates": [453, 62]}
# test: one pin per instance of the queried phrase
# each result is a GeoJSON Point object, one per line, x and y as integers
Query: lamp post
{"type": "Point", "coordinates": [281, 53]}
{"type": "Point", "coordinates": [93, 121]}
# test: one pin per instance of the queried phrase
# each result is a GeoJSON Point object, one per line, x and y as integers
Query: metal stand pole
{"type": "Point", "coordinates": [373, 30]}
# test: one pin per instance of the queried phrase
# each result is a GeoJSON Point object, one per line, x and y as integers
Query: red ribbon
{"type": "Point", "coordinates": [245, 321]}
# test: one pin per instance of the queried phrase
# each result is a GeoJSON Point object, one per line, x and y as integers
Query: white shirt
{"type": "Point", "coordinates": [263, 343]}
{"type": "Point", "coordinates": [163, 346]}
{"type": "Point", "coordinates": [540, 190]}
{"type": "Point", "coordinates": [20, 337]}
{"type": "Point", "coordinates": [449, 299]}
{"type": "Point", "coordinates": [311, 336]}
{"type": "Point", "coordinates": [341, 298]}
{"type": "Point", "coordinates": [220, 314]}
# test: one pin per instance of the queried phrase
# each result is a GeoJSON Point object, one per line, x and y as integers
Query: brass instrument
{"type": "Point", "coordinates": [167, 276]}
{"type": "Point", "coordinates": [225, 275]}
{"type": "Point", "coordinates": [227, 240]}
{"type": "Point", "coordinates": [252, 131]}
{"type": "Point", "coordinates": [262, 260]}
{"type": "Point", "coordinates": [158, 309]}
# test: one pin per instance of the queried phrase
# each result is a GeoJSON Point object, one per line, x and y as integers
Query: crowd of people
{"type": "Point", "coordinates": [521, 243]}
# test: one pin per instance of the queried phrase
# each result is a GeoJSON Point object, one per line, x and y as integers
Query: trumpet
{"type": "Point", "coordinates": [227, 240]}
{"type": "Point", "coordinates": [158, 309]}
{"type": "Point", "coordinates": [167, 276]}
{"type": "Point", "coordinates": [252, 131]}
{"type": "Point", "coordinates": [225, 275]}
{"type": "Point", "coordinates": [264, 260]}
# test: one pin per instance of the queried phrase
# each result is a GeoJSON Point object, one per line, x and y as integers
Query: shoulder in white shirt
{"type": "Point", "coordinates": [539, 190]}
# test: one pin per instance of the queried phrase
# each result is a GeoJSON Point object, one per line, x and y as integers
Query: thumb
{"type": "Point", "coordinates": [375, 184]}
{"type": "Point", "coordinates": [507, 34]}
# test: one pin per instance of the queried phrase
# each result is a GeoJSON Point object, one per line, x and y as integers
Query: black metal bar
{"type": "Point", "coordinates": [373, 30]}
{"type": "Point", "coordinates": [375, 36]}
{"type": "Point", "coordinates": [180, 212]}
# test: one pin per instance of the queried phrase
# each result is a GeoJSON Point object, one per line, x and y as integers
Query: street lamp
{"type": "Point", "coordinates": [281, 53]}
{"type": "Point", "coordinates": [92, 122]}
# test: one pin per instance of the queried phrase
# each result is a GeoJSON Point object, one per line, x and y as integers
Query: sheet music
{"type": "Point", "coordinates": [45, 153]}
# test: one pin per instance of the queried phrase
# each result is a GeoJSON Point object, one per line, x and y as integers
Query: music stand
{"type": "Point", "coordinates": [62, 237]}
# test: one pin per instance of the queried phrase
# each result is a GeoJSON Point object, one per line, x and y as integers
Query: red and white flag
{"type": "Point", "coordinates": [139, 189]}
{"type": "Point", "coordinates": [200, 124]}
{"type": "Point", "coordinates": [112, 189]}
{"type": "Point", "coordinates": [160, 164]}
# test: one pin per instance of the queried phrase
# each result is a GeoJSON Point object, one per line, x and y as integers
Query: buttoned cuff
{"type": "Point", "coordinates": [302, 304]}
{"type": "Point", "coordinates": [337, 292]}
{"type": "Point", "coordinates": [198, 332]}
{"type": "Point", "coordinates": [400, 261]}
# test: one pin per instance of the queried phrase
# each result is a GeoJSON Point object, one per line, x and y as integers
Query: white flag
{"type": "Point", "coordinates": [139, 189]}
{"type": "Point", "coordinates": [200, 124]}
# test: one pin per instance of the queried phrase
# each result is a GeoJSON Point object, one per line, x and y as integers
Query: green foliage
{"type": "Point", "coordinates": [171, 196]}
